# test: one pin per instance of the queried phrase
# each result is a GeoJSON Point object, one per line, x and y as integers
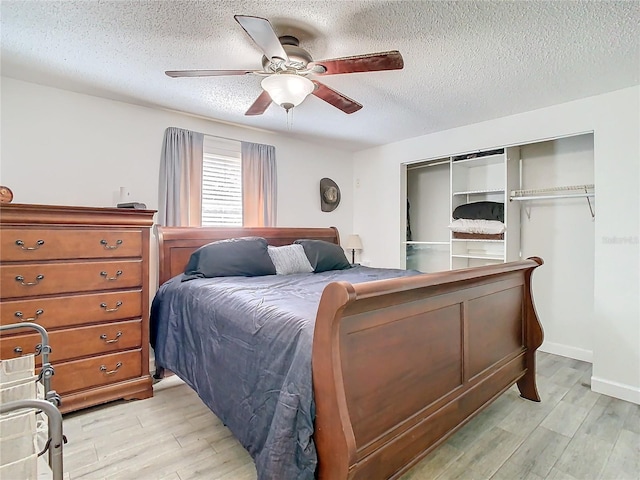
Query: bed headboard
{"type": "Point", "coordinates": [176, 244]}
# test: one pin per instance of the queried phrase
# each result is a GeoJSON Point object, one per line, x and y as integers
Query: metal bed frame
{"type": "Point", "coordinates": [49, 406]}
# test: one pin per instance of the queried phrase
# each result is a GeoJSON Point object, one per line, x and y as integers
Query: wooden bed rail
{"type": "Point", "coordinates": [401, 364]}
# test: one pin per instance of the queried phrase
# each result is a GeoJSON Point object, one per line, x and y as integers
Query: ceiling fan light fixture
{"type": "Point", "coordinates": [288, 89]}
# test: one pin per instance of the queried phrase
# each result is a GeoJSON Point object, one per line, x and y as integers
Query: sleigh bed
{"type": "Point", "coordinates": [397, 365]}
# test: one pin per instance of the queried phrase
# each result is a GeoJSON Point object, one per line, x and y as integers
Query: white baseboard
{"type": "Point", "coordinates": [567, 351]}
{"type": "Point", "coordinates": [617, 390]}
{"type": "Point", "coordinates": [598, 385]}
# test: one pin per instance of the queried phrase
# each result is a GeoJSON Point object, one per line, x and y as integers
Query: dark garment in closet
{"type": "Point", "coordinates": [408, 222]}
{"type": "Point", "coordinates": [480, 211]}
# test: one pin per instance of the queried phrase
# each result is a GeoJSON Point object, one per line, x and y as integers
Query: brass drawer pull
{"type": "Point", "coordinates": [110, 247]}
{"type": "Point", "coordinates": [20, 243]}
{"type": "Point", "coordinates": [103, 369]}
{"type": "Point", "coordinates": [20, 279]}
{"type": "Point", "coordinates": [105, 275]}
{"type": "Point", "coordinates": [114, 309]}
{"type": "Point", "coordinates": [38, 350]}
{"type": "Point", "coordinates": [30, 319]}
{"type": "Point", "coordinates": [113, 340]}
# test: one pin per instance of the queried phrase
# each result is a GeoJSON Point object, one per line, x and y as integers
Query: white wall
{"type": "Point", "coordinates": [562, 232]}
{"type": "Point", "coordinates": [63, 148]}
{"type": "Point", "coordinates": [615, 120]}
{"type": "Point", "coordinates": [60, 147]}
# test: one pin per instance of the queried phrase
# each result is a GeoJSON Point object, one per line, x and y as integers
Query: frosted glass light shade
{"type": "Point", "coordinates": [287, 90]}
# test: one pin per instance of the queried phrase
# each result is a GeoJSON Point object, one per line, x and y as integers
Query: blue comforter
{"type": "Point", "coordinates": [244, 344]}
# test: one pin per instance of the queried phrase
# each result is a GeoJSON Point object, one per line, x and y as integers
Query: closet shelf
{"type": "Point", "coordinates": [412, 242]}
{"type": "Point", "coordinates": [483, 240]}
{"type": "Point", "coordinates": [551, 197]}
{"type": "Point", "coordinates": [480, 161]}
{"type": "Point", "coordinates": [553, 193]}
{"type": "Point", "coordinates": [480, 192]}
{"type": "Point", "coordinates": [480, 256]}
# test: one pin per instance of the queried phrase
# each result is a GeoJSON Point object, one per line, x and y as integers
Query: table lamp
{"type": "Point", "coordinates": [354, 243]}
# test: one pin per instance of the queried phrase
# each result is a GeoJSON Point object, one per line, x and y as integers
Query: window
{"type": "Point", "coordinates": [221, 182]}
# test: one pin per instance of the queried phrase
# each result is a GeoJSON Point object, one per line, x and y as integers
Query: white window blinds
{"type": "Point", "coordinates": [221, 182]}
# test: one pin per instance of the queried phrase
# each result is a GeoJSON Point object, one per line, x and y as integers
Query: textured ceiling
{"type": "Point", "coordinates": [465, 61]}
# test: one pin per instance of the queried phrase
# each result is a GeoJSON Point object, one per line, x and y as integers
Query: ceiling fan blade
{"type": "Point", "coordinates": [360, 63]}
{"type": "Point", "coordinates": [261, 32]}
{"type": "Point", "coordinates": [260, 105]}
{"type": "Point", "coordinates": [335, 98]}
{"type": "Point", "coordinates": [206, 73]}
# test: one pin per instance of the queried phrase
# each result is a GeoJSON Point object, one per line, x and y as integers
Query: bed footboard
{"type": "Point", "coordinates": [399, 365]}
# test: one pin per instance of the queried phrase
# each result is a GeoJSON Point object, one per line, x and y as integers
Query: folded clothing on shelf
{"type": "Point", "coordinates": [484, 210]}
{"type": "Point", "coordinates": [484, 227]}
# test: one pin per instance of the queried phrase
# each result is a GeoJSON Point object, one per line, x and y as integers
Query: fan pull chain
{"type": "Point", "coordinates": [289, 118]}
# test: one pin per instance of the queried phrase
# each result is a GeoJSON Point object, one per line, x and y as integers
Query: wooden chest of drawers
{"type": "Point", "coordinates": [83, 274]}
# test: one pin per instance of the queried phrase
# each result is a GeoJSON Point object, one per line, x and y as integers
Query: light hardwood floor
{"type": "Point", "coordinates": [573, 434]}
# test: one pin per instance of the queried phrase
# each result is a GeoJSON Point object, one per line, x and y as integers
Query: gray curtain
{"type": "Point", "coordinates": [180, 189]}
{"type": "Point", "coordinates": [259, 185]}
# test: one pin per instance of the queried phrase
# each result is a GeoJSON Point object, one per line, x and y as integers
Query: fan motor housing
{"type": "Point", "coordinates": [298, 56]}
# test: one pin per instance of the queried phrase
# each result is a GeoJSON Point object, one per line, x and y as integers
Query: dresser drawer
{"type": "Point", "coordinates": [70, 310]}
{"type": "Point", "coordinates": [77, 342]}
{"type": "Point", "coordinates": [51, 278]}
{"type": "Point", "coordinates": [93, 372]}
{"type": "Point", "coordinates": [32, 244]}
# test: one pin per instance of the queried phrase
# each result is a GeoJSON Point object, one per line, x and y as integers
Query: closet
{"type": "Point", "coordinates": [428, 216]}
{"type": "Point", "coordinates": [485, 177]}
{"type": "Point", "coordinates": [437, 189]}
{"type": "Point", "coordinates": [548, 192]}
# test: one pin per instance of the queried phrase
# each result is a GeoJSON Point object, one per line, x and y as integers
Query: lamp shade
{"type": "Point", "coordinates": [354, 242]}
{"type": "Point", "coordinates": [288, 89]}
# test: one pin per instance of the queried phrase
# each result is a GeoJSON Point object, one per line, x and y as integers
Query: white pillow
{"type": "Point", "coordinates": [289, 259]}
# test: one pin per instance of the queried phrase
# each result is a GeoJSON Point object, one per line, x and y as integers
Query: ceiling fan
{"type": "Point", "coordinates": [286, 67]}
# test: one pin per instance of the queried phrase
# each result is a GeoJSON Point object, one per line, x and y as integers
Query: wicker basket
{"type": "Point", "coordinates": [478, 236]}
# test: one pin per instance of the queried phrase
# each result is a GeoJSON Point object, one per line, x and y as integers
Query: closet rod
{"type": "Point", "coordinates": [536, 191]}
{"type": "Point", "coordinates": [546, 197]}
{"type": "Point", "coordinates": [534, 194]}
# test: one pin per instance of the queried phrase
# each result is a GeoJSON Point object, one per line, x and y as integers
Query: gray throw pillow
{"type": "Point", "coordinates": [324, 256]}
{"type": "Point", "coordinates": [236, 257]}
{"type": "Point", "coordinates": [290, 259]}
